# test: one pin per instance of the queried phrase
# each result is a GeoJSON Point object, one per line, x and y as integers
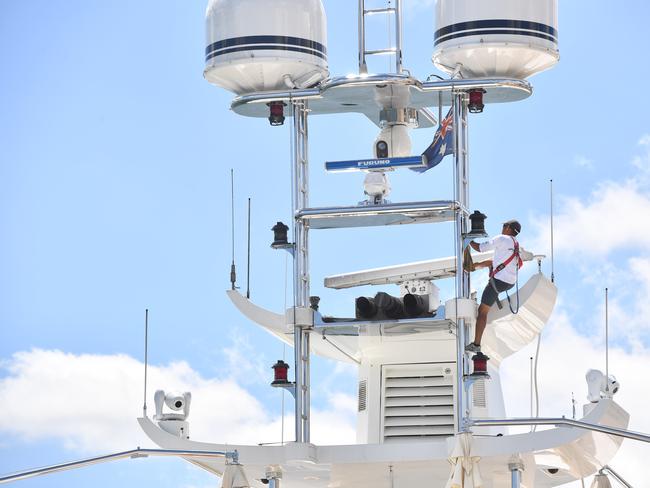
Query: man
{"type": "Point", "coordinates": [503, 273]}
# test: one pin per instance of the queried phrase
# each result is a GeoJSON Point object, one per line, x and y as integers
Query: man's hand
{"type": "Point", "coordinates": [474, 245]}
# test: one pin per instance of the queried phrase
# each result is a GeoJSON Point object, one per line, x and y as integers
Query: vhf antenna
{"type": "Point", "coordinates": [552, 246]}
{"type": "Point", "coordinates": [248, 261]}
{"type": "Point", "coordinates": [233, 272]}
{"type": "Point", "coordinates": [606, 339]}
{"type": "Point", "coordinates": [146, 343]}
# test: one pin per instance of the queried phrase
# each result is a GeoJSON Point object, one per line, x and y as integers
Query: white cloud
{"type": "Point", "coordinates": [245, 363]}
{"type": "Point", "coordinates": [583, 162]}
{"type": "Point", "coordinates": [610, 219]}
{"type": "Point", "coordinates": [90, 403]}
{"type": "Point", "coordinates": [642, 162]}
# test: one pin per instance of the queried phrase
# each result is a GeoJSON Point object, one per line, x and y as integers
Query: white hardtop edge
{"type": "Point", "coordinates": [574, 452]}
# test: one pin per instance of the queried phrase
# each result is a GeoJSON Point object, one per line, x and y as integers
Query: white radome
{"type": "Point", "coordinates": [263, 45]}
{"type": "Point", "coordinates": [509, 38]}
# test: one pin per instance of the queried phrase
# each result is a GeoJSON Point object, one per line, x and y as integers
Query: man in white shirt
{"type": "Point", "coordinates": [503, 273]}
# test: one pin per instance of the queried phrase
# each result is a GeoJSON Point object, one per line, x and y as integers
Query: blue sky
{"type": "Point", "coordinates": [115, 158]}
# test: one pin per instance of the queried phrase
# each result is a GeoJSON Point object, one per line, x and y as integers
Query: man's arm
{"type": "Point", "coordinates": [483, 246]}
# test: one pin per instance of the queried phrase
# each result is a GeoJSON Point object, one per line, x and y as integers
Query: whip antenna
{"type": "Point", "coordinates": [233, 272]}
{"type": "Point", "coordinates": [552, 246]}
{"type": "Point", "coordinates": [146, 343]}
{"type": "Point", "coordinates": [248, 261]}
{"type": "Point", "coordinates": [606, 339]}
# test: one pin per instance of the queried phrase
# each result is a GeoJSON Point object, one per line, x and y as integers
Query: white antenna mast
{"type": "Point", "coordinates": [233, 272]}
{"type": "Point", "coordinates": [606, 339]}
{"type": "Point", "coordinates": [552, 245]}
{"type": "Point", "coordinates": [248, 261]}
{"type": "Point", "coordinates": [146, 344]}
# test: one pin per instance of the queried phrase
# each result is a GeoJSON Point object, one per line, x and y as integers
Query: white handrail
{"type": "Point", "coordinates": [134, 453]}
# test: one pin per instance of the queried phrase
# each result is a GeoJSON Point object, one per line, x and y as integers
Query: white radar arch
{"type": "Point", "coordinates": [262, 45]}
{"type": "Point", "coordinates": [484, 38]}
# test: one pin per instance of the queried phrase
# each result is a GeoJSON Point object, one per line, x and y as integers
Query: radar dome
{"type": "Point", "coordinates": [483, 38]}
{"type": "Point", "coordinates": [265, 45]}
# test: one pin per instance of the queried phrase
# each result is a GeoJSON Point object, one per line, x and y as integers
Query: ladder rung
{"type": "Point", "coordinates": [373, 11]}
{"type": "Point", "coordinates": [390, 50]}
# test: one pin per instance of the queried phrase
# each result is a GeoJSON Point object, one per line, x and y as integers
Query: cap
{"type": "Point", "coordinates": [514, 225]}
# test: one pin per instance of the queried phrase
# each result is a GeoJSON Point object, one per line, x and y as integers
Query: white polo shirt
{"type": "Point", "coordinates": [503, 247]}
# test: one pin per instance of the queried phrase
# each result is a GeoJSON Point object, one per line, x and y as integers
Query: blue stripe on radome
{"type": "Point", "coordinates": [495, 31]}
{"type": "Point", "coordinates": [287, 40]}
{"type": "Point", "coordinates": [496, 24]}
{"type": "Point", "coordinates": [266, 47]}
{"type": "Point", "coordinates": [520, 27]}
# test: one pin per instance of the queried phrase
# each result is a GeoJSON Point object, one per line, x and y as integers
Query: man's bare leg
{"type": "Point", "coordinates": [481, 321]}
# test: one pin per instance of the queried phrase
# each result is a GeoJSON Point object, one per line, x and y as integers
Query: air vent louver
{"type": "Point", "coordinates": [418, 402]}
{"type": "Point", "coordinates": [363, 394]}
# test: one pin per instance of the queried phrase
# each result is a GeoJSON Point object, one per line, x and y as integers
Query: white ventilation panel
{"type": "Point", "coordinates": [479, 398]}
{"type": "Point", "coordinates": [363, 395]}
{"type": "Point", "coordinates": [417, 401]}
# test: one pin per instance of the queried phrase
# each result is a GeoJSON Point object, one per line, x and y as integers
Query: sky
{"type": "Point", "coordinates": [115, 159]}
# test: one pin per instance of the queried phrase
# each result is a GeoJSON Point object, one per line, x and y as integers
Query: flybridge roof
{"type": "Point", "coordinates": [369, 94]}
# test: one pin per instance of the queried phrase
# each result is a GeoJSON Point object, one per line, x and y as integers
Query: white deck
{"type": "Point", "coordinates": [574, 452]}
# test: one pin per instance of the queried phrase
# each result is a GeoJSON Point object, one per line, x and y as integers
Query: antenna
{"type": "Point", "coordinates": [573, 405]}
{"type": "Point", "coordinates": [606, 339]}
{"type": "Point", "coordinates": [233, 272]}
{"type": "Point", "coordinates": [531, 386]}
{"type": "Point", "coordinates": [146, 359]}
{"type": "Point", "coordinates": [248, 261]}
{"type": "Point", "coordinates": [552, 244]}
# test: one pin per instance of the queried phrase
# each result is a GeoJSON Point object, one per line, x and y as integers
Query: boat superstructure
{"type": "Point", "coordinates": [426, 414]}
{"type": "Point", "coordinates": [417, 393]}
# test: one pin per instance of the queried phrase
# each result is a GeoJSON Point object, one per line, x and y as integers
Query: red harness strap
{"type": "Point", "coordinates": [515, 254]}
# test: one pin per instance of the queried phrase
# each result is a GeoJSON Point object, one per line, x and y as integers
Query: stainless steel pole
{"type": "Point", "coordinates": [363, 68]}
{"type": "Point", "coordinates": [461, 195]}
{"type": "Point", "coordinates": [604, 429]}
{"type": "Point", "coordinates": [616, 476]}
{"type": "Point", "coordinates": [515, 474]}
{"type": "Point", "coordinates": [300, 179]}
{"type": "Point", "coordinates": [398, 36]}
{"type": "Point", "coordinates": [134, 453]}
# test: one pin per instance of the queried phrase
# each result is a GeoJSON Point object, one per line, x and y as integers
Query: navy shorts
{"type": "Point", "coordinates": [490, 295]}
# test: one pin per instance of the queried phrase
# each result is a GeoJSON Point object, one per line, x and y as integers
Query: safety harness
{"type": "Point", "coordinates": [500, 267]}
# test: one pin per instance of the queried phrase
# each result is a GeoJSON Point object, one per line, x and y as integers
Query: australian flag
{"type": "Point", "coordinates": [443, 144]}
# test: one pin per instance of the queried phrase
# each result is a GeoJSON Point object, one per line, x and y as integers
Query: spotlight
{"type": "Point", "coordinates": [415, 305]}
{"type": "Point", "coordinates": [391, 306]}
{"type": "Point", "coordinates": [365, 308]}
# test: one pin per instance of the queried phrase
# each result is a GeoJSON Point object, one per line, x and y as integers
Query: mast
{"type": "Point", "coordinates": [461, 196]}
{"type": "Point", "coordinates": [300, 180]}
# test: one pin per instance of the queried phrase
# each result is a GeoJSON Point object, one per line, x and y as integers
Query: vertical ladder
{"type": "Point", "coordinates": [300, 176]}
{"type": "Point", "coordinates": [396, 50]}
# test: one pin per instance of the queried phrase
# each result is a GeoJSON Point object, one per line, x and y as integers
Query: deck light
{"type": "Point", "coordinates": [280, 238]}
{"type": "Point", "coordinates": [476, 101]}
{"type": "Point", "coordinates": [280, 370]}
{"type": "Point", "coordinates": [478, 223]}
{"type": "Point", "coordinates": [480, 364]}
{"type": "Point", "coordinates": [276, 113]}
